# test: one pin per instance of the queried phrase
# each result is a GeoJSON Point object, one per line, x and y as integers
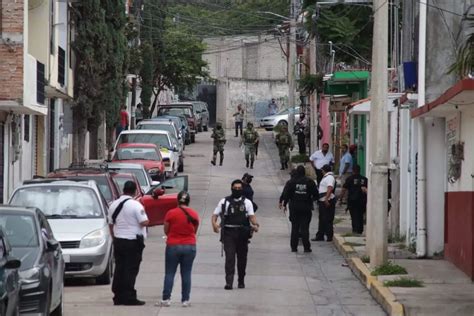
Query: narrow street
{"type": "Point", "coordinates": [278, 281]}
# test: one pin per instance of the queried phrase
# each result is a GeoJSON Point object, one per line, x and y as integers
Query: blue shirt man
{"type": "Point", "coordinates": [345, 166]}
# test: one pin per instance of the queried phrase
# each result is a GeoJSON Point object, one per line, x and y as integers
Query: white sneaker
{"type": "Point", "coordinates": [186, 303]}
{"type": "Point", "coordinates": [164, 303]}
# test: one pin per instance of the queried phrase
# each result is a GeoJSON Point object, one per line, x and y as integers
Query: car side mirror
{"type": "Point", "coordinates": [158, 192]}
{"type": "Point", "coordinates": [12, 263]}
{"type": "Point", "coordinates": [155, 183]}
{"type": "Point", "coordinates": [52, 245]}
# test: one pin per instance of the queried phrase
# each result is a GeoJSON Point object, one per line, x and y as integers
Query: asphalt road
{"type": "Point", "coordinates": [278, 282]}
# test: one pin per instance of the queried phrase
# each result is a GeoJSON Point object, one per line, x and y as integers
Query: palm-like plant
{"type": "Point", "coordinates": [464, 64]}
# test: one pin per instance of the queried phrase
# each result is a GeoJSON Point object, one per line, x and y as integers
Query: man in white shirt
{"type": "Point", "coordinates": [127, 222]}
{"type": "Point", "coordinates": [320, 158]}
{"type": "Point", "coordinates": [326, 205]}
{"type": "Point", "coordinates": [236, 212]}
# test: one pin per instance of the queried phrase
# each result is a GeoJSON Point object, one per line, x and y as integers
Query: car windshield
{"type": "Point", "coordinates": [284, 111]}
{"type": "Point", "coordinates": [158, 126]}
{"type": "Point", "coordinates": [175, 111]}
{"type": "Point", "coordinates": [139, 174]}
{"type": "Point", "coordinates": [20, 230]}
{"type": "Point", "coordinates": [160, 140]}
{"type": "Point", "coordinates": [60, 201]}
{"type": "Point", "coordinates": [102, 184]}
{"type": "Point", "coordinates": [120, 182]}
{"type": "Point", "coordinates": [137, 153]}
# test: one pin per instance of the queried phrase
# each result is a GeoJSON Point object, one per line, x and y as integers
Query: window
{"type": "Point", "coordinates": [40, 83]}
{"type": "Point", "coordinates": [26, 128]}
{"type": "Point", "coordinates": [61, 66]}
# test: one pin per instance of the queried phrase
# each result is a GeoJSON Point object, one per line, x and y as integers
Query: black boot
{"type": "Point", "coordinates": [221, 161]}
{"type": "Point", "coordinates": [282, 166]}
{"type": "Point", "coordinates": [213, 162]}
{"type": "Point", "coordinates": [247, 165]}
{"type": "Point", "coordinates": [286, 165]}
{"type": "Point", "coordinates": [251, 164]}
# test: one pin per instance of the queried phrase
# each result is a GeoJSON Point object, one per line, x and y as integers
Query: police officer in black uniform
{"type": "Point", "coordinates": [300, 194]}
{"type": "Point", "coordinates": [356, 186]}
{"type": "Point", "coordinates": [235, 211]}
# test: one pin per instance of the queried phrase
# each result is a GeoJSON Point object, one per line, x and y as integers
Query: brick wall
{"type": "Point", "coordinates": [11, 50]}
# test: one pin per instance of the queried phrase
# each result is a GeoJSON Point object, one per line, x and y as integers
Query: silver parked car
{"type": "Point", "coordinates": [77, 214]}
{"type": "Point", "coordinates": [282, 117]}
{"type": "Point", "coordinates": [137, 170]}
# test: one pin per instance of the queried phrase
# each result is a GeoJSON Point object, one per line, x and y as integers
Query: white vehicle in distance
{"type": "Point", "coordinates": [281, 118]}
{"type": "Point", "coordinates": [162, 139]}
{"type": "Point", "coordinates": [165, 125]}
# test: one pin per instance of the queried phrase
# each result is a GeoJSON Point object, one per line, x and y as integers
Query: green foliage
{"type": "Point", "coordinates": [350, 27]}
{"type": "Point", "coordinates": [353, 244]}
{"type": "Point", "coordinates": [205, 19]}
{"type": "Point", "coordinates": [300, 158]}
{"type": "Point", "coordinates": [310, 83]}
{"type": "Point", "coordinates": [389, 268]}
{"type": "Point", "coordinates": [464, 64]}
{"type": "Point", "coordinates": [101, 61]}
{"type": "Point", "coordinates": [404, 282]}
{"type": "Point", "coordinates": [365, 259]}
{"type": "Point", "coordinates": [337, 220]}
{"type": "Point", "coordinates": [392, 239]}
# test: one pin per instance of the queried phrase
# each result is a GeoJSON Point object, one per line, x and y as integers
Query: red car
{"type": "Point", "coordinates": [147, 155]}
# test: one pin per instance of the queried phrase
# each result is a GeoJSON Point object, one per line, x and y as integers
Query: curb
{"type": "Point", "coordinates": [381, 294]}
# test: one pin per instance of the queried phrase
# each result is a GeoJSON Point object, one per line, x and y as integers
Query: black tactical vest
{"type": "Point", "coordinates": [235, 214]}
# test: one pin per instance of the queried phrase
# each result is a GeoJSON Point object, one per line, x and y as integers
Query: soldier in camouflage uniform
{"type": "Point", "coordinates": [284, 142]}
{"type": "Point", "coordinates": [250, 138]}
{"type": "Point", "coordinates": [218, 134]}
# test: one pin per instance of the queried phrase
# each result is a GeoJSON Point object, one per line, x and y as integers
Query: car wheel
{"type": "Point", "coordinates": [106, 277]}
{"type": "Point", "coordinates": [181, 167]}
{"type": "Point", "coordinates": [283, 122]}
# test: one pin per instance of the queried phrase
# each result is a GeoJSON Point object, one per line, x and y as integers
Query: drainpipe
{"type": "Point", "coordinates": [421, 180]}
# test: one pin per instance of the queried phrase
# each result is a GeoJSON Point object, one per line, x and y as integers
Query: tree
{"type": "Point", "coordinates": [101, 64]}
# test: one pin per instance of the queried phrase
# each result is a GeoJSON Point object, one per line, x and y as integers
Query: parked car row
{"type": "Point", "coordinates": [56, 227]}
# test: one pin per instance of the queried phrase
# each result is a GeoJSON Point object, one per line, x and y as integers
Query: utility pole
{"type": "Point", "coordinates": [291, 67]}
{"type": "Point", "coordinates": [377, 207]}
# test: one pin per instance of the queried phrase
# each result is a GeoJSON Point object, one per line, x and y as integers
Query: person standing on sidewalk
{"type": "Point", "coordinates": [356, 186]}
{"type": "Point", "coordinates": [326, 205]}
{"type": "Point", "coordinates": [345, 164]}
{"type": "Point", "coordinates": [320, 158]}
{"type": "Point", "coordinates": [284, 142]}
{"type": "Point", "coordinates": [180, 226]}
{"type": "Point", "coordinates": [235, 211]}
{"type": "Point", "coordinates": [218, 134]}
{"type": "Point", "coordinates": [300, 131]}
{"type": "Point", "coordinates": [239, 120]}
{"type": "Point", "coordinates": [300, 194]}
{"type": "Point", "coordinates": [272, 108]}
{"type": "Point", "coordinates": [128, 228]}
{"type": "Point", "coordinates": [250, 139]}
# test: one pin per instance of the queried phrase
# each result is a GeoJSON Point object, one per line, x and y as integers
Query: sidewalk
{"type": "Point", "coordinates": [278, 282]}
{"type": "Point", "coordinates": [446, 290]}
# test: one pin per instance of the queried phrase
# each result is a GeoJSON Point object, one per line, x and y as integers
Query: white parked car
{"type": "Point", "coordinates": [162, 139]}
{"type": "Point", "coordinates": [77, 214]}
{"type": "Point", "coordinates": [282, 117]}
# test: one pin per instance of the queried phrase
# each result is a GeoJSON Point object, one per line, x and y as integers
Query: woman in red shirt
{"type": "Point", "coordinates": [180, 227]}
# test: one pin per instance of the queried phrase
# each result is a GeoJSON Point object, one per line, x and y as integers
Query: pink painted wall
{"type": "Point", "coordinates": [325, 121]}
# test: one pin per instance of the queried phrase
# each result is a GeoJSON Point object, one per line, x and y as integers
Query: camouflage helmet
{"type": "Point", "coordinates": [218, 124]}
{"type": "Point", "coordinates": [249, 125]}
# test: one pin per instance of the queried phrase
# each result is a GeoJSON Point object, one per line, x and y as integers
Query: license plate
{"type": "Point", "coordinates": [67, 258]}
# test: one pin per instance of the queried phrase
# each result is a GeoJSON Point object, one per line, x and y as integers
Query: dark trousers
{"type": "Point", "coordinates": [238, 126]}
{"type": "Point", "coordinates": [236, 244]}
{"type": "Point", "coordinates": [357, 210]}
{"type": "Point", "coordinates": [300, 228]}
{"type": "Point", "coordinates": [302, 143]}
{"type": "Point", "coordinates": [326, 219]}
{"type": "Point", "coordinates": [128, 256]}
{"type": "Point", "coordinates": [319, 175]}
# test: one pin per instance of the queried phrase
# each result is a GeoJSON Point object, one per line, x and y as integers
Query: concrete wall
{"type": "Point", "coordinates": [39, 33]}
{"type": "Point", "coordinates": [254, 96]}
{"type": "Point", "coordinates": [250, 57]}
{"type": "Point", "coordinates": [442, 29]}
{"type": "Point", "coordinates": [435, 182]}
